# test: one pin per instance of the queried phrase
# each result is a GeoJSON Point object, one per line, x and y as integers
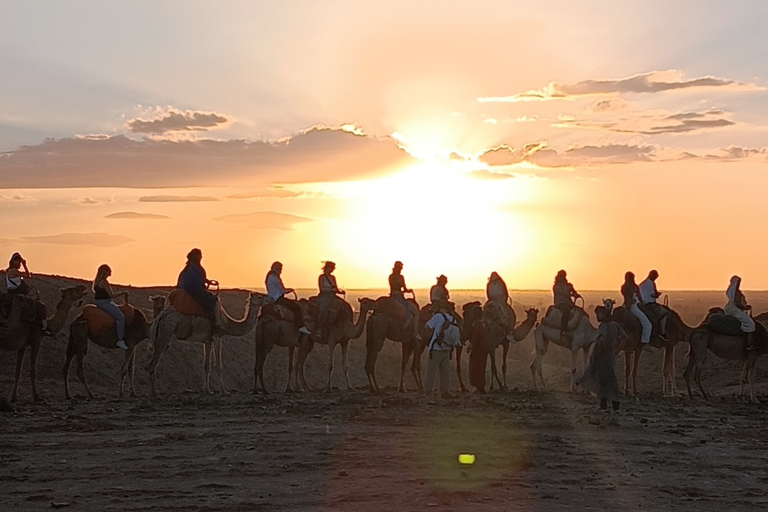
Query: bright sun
{"type": "Point", "coordinates": [438, 218]}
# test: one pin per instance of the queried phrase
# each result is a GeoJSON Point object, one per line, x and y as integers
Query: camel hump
{"type": "Point", "coordinates": [185, 304]}
{"type": "Point", "coordinates": [98, 319]}
{"type": "Point", "coordinates": [724, 324]}
{"type": "Point", "coordinates": [277, 311]}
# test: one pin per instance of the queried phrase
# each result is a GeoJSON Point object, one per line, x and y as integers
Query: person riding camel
{"type": "Point", "coordinates": [564, 296]}
{"type": "Point", "coordinates": [496, 290]}
{"type": "Point", "coordinates": [439, 294]}
{"type": "Point", "coordinates": [397, 288]}
{"type": "Point", "coordinates": [193, 279]}
{"type": "Point", "coordinates": [648, 296]}
{"type": "Point", "coordinates": [329, 291]}
{"type": "Point", "coordinates": [276, 291]}
{"type": "Point", "coordinates": [737, 307]}
{"type": "Point", "coordinates": [103, 295]}
{"type": "Point", "coordinates": [15, 277]}
{"type": "Point", "coordinates": [631, 294]}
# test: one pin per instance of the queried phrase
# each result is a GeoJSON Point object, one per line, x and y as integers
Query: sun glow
{"type": "Point", "coordinates": [437, 217]}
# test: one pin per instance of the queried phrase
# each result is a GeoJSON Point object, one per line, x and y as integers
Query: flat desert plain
{"type": "Point", "coordinates": [351, 450]}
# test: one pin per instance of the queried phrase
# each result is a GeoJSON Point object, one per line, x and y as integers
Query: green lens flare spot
{"type": "Point", "coordinates": [467, 458]}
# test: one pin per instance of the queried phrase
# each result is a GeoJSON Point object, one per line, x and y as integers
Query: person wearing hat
{"type": "Point", "coordinates": [738, 308]}
{"type": "Point", "coordinates": [439, 293]}
{"type": "Point", "coordinates": [15, 283]}
{"type": "Point", "coordinates": [397, 288]}
{"type": "Point", "coordinates": [564, 296]}
{"type": "Point", "coordinates": [276, 291]}
{"type": "Point", "coordinates": [103, 295]}
{"type": "Point", "coordinates": [329, 291]}
{"type": "Point", "coordinates": [193, 279]}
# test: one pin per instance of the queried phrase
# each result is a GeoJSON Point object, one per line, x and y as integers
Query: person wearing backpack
{"type": "Point", "coordinates": [445, 336]}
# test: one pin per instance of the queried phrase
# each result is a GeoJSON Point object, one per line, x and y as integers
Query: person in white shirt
{"type": "Point", "coordinates": [15, 283]}
{"type": "Point", "coordinates": [276, 291]}
{"type": "Point", "coordinates": [737, 307]}
{"type": "Point", "coordinates": [445, 336]}
{"type": "Point", "coordinates": [631, 294]}
{"type": "Point", "coordinates": [648, 296]}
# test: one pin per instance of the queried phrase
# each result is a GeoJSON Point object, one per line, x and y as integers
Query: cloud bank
{"type": "Point", "coordinates": [85, 239]}
{"type": "Point", "coordinates": [164, 198]}
{"type": "Point", "coordinates": [646, 83]}
{"type": "Point", "coordinates": [135, 215]}
{"type": "Point", "coordinates": [173, 120]}
{"type": "Point", "coordinates": [265, 220]}
{"type": "Point", "coordinates": [316, 155]}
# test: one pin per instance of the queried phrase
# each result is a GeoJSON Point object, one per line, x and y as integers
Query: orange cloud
{"type": "Point", "coordinates": [135, 215]}
{"type": "Point", "coordinates": [176, 199]}
{"type": "Point", "coordinates": [265, 220]}
{"type": "Point", "coordinates": [86, 239]}
{"type": "Point", "coordinates": [173, 120]}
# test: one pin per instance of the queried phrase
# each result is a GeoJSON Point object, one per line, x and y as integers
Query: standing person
{"type": "Point", "coordinates": [193, 279]}
{"type": "Point", "coordinates": [445, 336]}
{"type": "Point", "coordinates": [631, 294]}
{"type": "Point", "coordinates": [329, 291]}
{"type": "Point", "coordinates": [15, 277]}
{"type": "Point", "coordinates": [276, 291]}
{"type": "Point", "coordinates": [397, 289]}
{"type": "Point", "coordinates": [103, 294]}
{"type": "Point", "coordinates": [564, 297]}
{"type": "Point", "coordinates": [737, 307]}
{"type": "Point", "coordinates": [600, 375]}
{"type": "Point", "coordinates": [648, 296]}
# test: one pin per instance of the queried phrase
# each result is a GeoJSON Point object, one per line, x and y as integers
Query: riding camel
{"type": "Point", "coordinates": [98, 326]}
{"type": "Point", "coordinates": [276, 327]}
{"type": "Point", "coordinates": [487, 334]}
{"type": "Point", "coordinates": [341, 330]}
{"type": "Point", "coordinates": [386, 322]}
{"type": "Point", "coordinates": [185, 320]}
{"type": "Point", "coordinates": [676, 331]}
{"type": "Point", "coordinates": [580, 336]}
{"type": "Point", "coordinates": [721, 334]}
{"type": "Point", "coordinates": [25, 329]}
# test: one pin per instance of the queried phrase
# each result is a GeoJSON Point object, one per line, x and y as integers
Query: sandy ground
{"type": "Point", "coordinates": [350, 450]}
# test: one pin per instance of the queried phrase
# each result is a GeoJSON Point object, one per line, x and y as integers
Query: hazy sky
{"type": "Point", "coordinates": [459, 137]}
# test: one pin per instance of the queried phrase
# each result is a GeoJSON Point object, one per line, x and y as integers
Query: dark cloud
{"type": "Point", "coordinates": [164, 198]}
{"type": "Point", "coordinates": [178, 121]}
{"type": "Point", "coordinates": [265, 220]}
{"type": "Point", "coordinates": [317, 155]}
{"type": "Point", "coordinates": [86, 239]}
{"type": "Point", "coordinates": [653, 82]}
{"type": "Point", "coordinates": [135, 215]}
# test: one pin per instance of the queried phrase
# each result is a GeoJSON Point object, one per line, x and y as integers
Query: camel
{"type": "Point", "coordinates": [170, 324]}
{"type": "Point", "coordinates": [101, 331]}
{"type": "Point", "coordinates": [276, 328]}
{"type": "Point", "coordinates": [340, 332]}
{"type": "Point", "coordinates": [731, 347]}
{"type": "Point", "coordinates": [19, 334]}
{"type": "Point", "coordinates": [385, 324]}
{"type": "Point", "coordinates": [581, 338]}
{"type": "Point", "coordinates": [485, 336]}
{"type": "Point", "coordinates": [471, 312]}
{"type": "Point", "coordinates": [676, 331]}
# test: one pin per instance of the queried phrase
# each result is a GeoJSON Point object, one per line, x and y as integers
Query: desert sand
{"type": "Point", "coordinates": [351, 450]}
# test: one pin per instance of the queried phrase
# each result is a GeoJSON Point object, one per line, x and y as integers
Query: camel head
{"type": "Point", "coordinates": [158, 301]}
{"type": "Point", "coordinates": [609, 304]}
{"type": "Point", "coordinates": [532, 314]}
{"type": "Point", "coordinates": [368, 304]}
{"type": "Point", "coordinates": [74, 293]}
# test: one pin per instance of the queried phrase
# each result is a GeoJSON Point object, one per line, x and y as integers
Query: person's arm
{"type": "Point", "coordinates": [282, 287]}
{"type": "Point", "coordinates": [403, 287]}
{"type": "Point", "coordinates": [111, 293]}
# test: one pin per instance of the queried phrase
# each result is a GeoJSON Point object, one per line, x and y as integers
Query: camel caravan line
{"type": "Point", "coordinates": [330, 321]}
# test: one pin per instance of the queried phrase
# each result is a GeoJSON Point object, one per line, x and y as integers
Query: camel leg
{"type": "Point", "coordinates": [157, 353]}
{"type": "Point", "coordinates": [673, 373]}
{"type": "Point", "coordinates": [751, 377]}
{"type": "Point", "coordinates": [344, 365]}
{"type": "Point", "coordinates": [290, 369]}
{"type": "Point", "coordinates": [698, 370]}
{"type": "Point", "coordinates": [666, 389]}
{"type": "Point", "coordinates": [634, 371]}
{"type": "Point", "coordinates": [260, 374]}
{"type": "Point", "coordinates": [416, 365]}
{"type": "Point", "coordinates": [462, 387]}
{"type": "Point", "coordinates": [17, 376]}
{"type": "Point", "coordinates": [495, 373]}
{"type": "Point", "coordinates": [218, 352]}
{"type": "Point", "coordinates": [65, 370]}
{"type": "Point", "coordinates": [331, 350]}
{"type": "Point", "coordinates": [406, 350]}
{"type": "Point", "coordinates": [505, 351]}
{"type": "Point", "coordinates": [81, 375]}
{"type": "Point", "coordinates": [132, 372]}
{"type": "Point", "coordinates": [33, 370]}
{"type": "Point", "coordinates": [574, 356]}
{"type": "Point", "coordinates": [207, 349]}
{"type": "Point", "coordinates": [627, 372]}
{"type": "Point", "coordinates": [687, 372]}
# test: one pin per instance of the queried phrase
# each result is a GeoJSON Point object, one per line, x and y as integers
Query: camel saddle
{"type": "Point", "coordinates": [553, 316]}
{"type": "Point", "coordinates": [185, 304]}
{"type": "Point", "coordinates": [276, 311]}
{"type": "Point", "coordinates": [724, 324]}
{"type": "Point", "coordinates": [98, 319]}
{"type": "Point", "coordinates": [496, 312]}
{"type": "Point", "coordinates": [392, 308]}
{"type": "Point", "coordinates": [336, 306]}
{"type": "Point", "coordinates": [25, 308]}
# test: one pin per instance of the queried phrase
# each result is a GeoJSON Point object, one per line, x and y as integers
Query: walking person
{"type": "Point", "coordinates": [103, 295]}
{"type": "Point", "coordinates": [445, 336]}
{"type": "Point", "coordinates": [600, 375]}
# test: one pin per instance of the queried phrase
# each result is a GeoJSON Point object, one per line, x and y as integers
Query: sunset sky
{"type": "Point", "coordinates": [459, 137]}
